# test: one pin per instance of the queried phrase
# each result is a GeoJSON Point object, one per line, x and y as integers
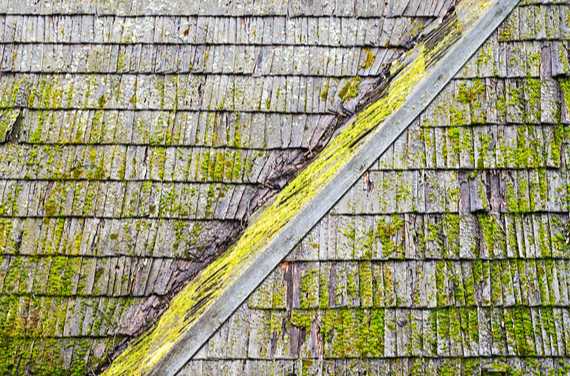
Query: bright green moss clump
{"type": "Point", "coordinates": [309, 289]}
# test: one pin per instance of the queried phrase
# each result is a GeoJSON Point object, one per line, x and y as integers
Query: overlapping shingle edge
{"type": "Point", "coordinates": [206, 302]}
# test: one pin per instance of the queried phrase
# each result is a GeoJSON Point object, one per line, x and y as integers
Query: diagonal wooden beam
{"type": "Point", "coordinates": [207, 301]}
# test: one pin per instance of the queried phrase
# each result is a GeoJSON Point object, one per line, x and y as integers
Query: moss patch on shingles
{"type": "Point", "coordinates": [350, 89]}
{"type": "Point", "coordinates": [368, 60]}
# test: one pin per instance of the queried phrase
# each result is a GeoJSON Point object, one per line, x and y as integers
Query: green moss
{"type": "Point", "coordinates": [369, 60]}
{"type": "Point", "coordinates": [457, 284]}
{"type": "Point", "coordinates": [440, 283]}
{"type": "Point", "coordinates": [486, 140]}
{"type": "Point", "coordinates": [496, 274]}
{"type": "Point", "coordinates": [485, 55]}
{"type": "Point", "coordinates": [533, 94]}
{"type": "Point", "coordinates": [8, 119]}
{"type": "Point", "coordinates": [458, 116]}
{"type": "Point", "coordinates": [556, 147]}
{"type": "Point", "coordinates": [62, 272]}
{"type": "Point", "coordinates": [455, 324]}
{"type": "Point", "coordinates": [493, 235]}
{"type": "Point", "coordinates": [365, 284]}
{"type": "Point", "coordinates": [565, 87]}
{"type": "Point", "coordinates": [347, 333]}
{"type": "Point", "coordinates": [515, 98]}
{"type": "Point", "coordinates": [325, 92]}
{"type": "Point", "coordinates": [375, 340]}
{"type": "Point", "coordinates": [278, 297]}
{"type": "Point", "coordinates": [387, 231]}
{"type": "Point", "coordinates": [51, 206]}
{"type": "Point", "coordinates": [352, 286]}
{"type": "Point", "coordinates": [472, 325]}
{"type": "Point", "coordinates": [443, 329]}
{"type": "Point", "coordinates": [350, 89]}
{"type": "Point", "coordinates": [309, 294]}
{"type": "Point", "coordinates": [451, 226]}
{"type": "Point", "coordinates": [323, 291]}
{"type": "Point", "coordinates": [302, 319]}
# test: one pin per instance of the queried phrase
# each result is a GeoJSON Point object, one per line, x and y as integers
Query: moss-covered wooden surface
{"type": "Point", "coordinates": [451, 255]}
{"type": "Point", "coordinates": [134, 136]}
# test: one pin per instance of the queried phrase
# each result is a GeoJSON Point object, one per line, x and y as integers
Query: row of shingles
{"type": "Point", "coordinates": [416, 284]}
{"type": "Point", "coordinates": [65, 317]}
{"type": "Point", "coordinates": [212, 201]}
{"type": "Point", "coordinates": [131, 163]}
{"type": "Point", "coordinates": [215, 60]}
{"type": "Point", "coordinates": [63, 276]}
{"type": "Point", "coordinates": [488, 147]}
{"type": "Point", "coordinates": [482, 147]}
{"type": "Point", "coordinates": [539, 21]}
{"type": "Point", "coordinates": [204, 31]}
{"type": "Point", "coordinates": [392, 333]}
{"type": "Point", "coordinates": [488, 101]}
{"type": "Point", "coordinates": [46, 356]}
{"type": "Point", "coordinates": [294, 8]}
{"type": "Point", "coordinates": [416, 237]}
{"type": "Point", "coordinates": [97, 237]}
{"type": "Point", "coordinates": [449, 191]}
{"type": "Point", "coordinates": [385, 367]}
{"type": "Point", "coordinates": [301, 95]}
{"type": "Point", "coordinates": [199, 130]}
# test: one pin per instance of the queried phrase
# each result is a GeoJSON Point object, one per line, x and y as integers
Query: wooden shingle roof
{"type": "Point", "coordinates": [137, 138]}
{"type": "Point", "coordinates": [450, 254]}
{"type": "Point", "coordinates": [436, 244]}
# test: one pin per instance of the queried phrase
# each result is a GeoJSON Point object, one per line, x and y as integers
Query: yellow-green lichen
{"type": "Point", "coordinates": [350, 89]}
{"type": "Point", "coordinates": [369, 59]}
